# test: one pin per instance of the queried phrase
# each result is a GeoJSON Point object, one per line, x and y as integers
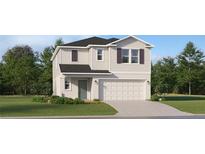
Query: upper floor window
{"type": "Point", "coordinates": [99, 54]}
{"type": "Point", "coordinates": [134, 56]}
{"type": "Point", "coordinates": [125, 55]}
{"type": "Point", "coordinates": [74, 55]}
{"type": "Point", "coordinates": [67, 83]}
{"type": "Point", "coordinates": [130, 56]}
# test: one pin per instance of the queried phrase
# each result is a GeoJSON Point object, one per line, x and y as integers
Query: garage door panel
{"type": "Point", "coordinates": [122, 90]}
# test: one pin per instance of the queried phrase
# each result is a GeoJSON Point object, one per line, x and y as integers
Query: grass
{"type": "Point", "coordinates": [19, 106]}
{"type": "Point", "coordinates": [192, 104]}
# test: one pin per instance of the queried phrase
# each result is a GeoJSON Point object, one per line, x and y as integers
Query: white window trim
{"type": "Point", "coordinates": [97, 54]}
{"type": "Point", "coordinates": [130, 55]}
{"type": "Point", "coordinates": [70, 84]}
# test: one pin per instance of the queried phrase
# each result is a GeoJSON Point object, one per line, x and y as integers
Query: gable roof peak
{"type": "Point", "coordinates": [134, 37]}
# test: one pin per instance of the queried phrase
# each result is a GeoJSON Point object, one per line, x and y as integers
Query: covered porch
{"type": "Point", "coordinates": [79, 81]}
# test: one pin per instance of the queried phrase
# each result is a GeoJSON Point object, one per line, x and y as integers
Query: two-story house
{"type": "Point", "coordinates": [105, 69]}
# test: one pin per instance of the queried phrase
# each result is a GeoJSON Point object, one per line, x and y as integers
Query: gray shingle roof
{"type": "Point", "coordinates": [75, 68]}
{"type": "Point", "coordinates": [92, 40]}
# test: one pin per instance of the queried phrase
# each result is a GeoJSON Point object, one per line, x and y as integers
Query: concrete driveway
{"type": "Point", "coordinates": [144, 109]}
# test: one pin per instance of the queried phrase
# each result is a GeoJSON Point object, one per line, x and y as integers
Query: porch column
{"type": "Point", "coordinates": [95, 88]}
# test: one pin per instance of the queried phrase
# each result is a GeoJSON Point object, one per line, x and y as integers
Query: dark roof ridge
{"type": "Point", "coordinates": [95, 40]}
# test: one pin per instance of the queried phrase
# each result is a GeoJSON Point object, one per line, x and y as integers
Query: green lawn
{"type": "Point", "coordinates": [23, 106]}
{"type": "Point", "coordinates": [191, 104]}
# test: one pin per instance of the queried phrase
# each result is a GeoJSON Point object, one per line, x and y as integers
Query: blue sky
{"type": "Point", "coordinates": [169, 45]}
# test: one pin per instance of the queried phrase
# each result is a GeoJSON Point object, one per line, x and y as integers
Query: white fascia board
{"type": "Point", "coordinates": [137, 79]}
{"type": "Point", "coordinates": [115, 72]}
{"type": "Point", "coordinates": [149, 45]}
{"type": "Point", "coordinates": [94, 45]}
{"type": "Point", "coordinates": [124, 38]}
{"type": "Point", "coordinates": [54, 53]}
{"type": "Point", "coordinates": [72, 47]}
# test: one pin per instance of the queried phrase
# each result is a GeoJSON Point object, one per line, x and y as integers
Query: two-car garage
{"type": "Point", "coordinates": [122, 89]}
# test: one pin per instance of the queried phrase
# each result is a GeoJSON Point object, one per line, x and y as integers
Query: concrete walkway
{"type": "Point", "coordinates": [145, 109]}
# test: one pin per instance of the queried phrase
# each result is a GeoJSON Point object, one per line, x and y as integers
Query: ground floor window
{"type": "Point", "coordinates": [67, 83]}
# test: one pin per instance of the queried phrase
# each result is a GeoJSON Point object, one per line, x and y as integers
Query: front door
{"type": "Point", "coordinates": [82, 89]}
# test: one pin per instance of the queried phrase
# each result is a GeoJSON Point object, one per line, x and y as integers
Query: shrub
{"type": "Point", "coordinates": [42, 99]}
{"type": "Point", "coordinates": [53, 99]}
{"type": "Point", "coordinates": [45, 99]}
{"type": "Point", "coordinates": [78, 101]}
{"type": "Point", "coordinates": [68, 100]}
{"type": "Point", "coordinates": [96, 100]}
{"type": "Point", "coordinates": [155, 97]}
{"type": "Point", "coordinates": [59, 100]}
{"type": "Point", "coordinates": [162, 99]}
{"type": "Point", "coordinates": [37, 99]}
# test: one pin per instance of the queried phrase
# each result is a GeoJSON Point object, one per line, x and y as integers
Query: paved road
{"type": "Point", "coordinates": [145, 109]}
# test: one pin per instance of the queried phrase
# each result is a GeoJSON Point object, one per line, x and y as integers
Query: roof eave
{"type": "Point", "coordinates": [54, 53]}
{"type": "Point", "coordinates": [149, 45]}
{"type": "Point", "coordinates": [107, 45]}
{"type": "Point", "coordinates": [77, 73]}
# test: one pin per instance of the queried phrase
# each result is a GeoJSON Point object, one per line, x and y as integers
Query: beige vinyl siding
{"type": "Point", "coordinates": [64, 56]}
{"type": "Point", "coordinates": [73, 91]}
{"type": "Point", "coordinates": [100, 65]}
{"type": "Point", "coordinates": [130, 43]}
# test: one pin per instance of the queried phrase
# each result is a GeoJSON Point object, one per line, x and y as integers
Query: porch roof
{"type": "Point", "coordinates": [80, 69]}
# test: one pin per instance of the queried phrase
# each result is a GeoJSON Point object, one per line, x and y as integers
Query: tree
{"type": "Point", "coordinates": [24, 71]}
{"type": "Point", "coordinates": [1, 79]}
{"type": "Point", "coordinates": [164, 76]}
{"type": "Point", "coordinates": [19, 68]}
{"type": "Point", "coordinates": [198, 86]}
{"type": "Point", "coordinates": [58, 42]}
{"type": "Point", "coordinates": [190, 63]}
{"type": "Point", "coordinates": [46, 67]}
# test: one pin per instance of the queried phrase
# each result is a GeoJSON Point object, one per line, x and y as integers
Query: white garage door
{"type": "Point", "coordinates": [122, 89]}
